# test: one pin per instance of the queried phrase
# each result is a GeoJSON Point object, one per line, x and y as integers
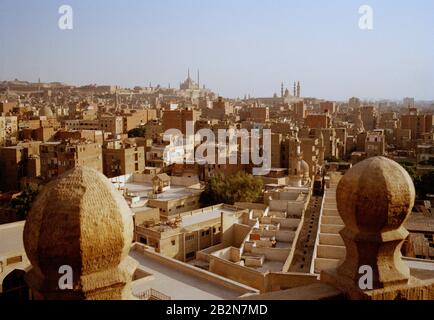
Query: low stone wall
{"type": "Point", "coordinates": [273, 254]}
{"type": "Point", "coordinates": [199, 273]}
{"type": "Point", "coordinates": [265, 282]}
{"type": "Point", "coordinates": [204, 254]}
{"type": "Point", "coordinates": [241, 274]}
{"type": "Point", "coordinates": [283, 280]}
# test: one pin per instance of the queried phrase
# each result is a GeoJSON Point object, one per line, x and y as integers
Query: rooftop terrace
{"type": "Point", "coordinates": [182, 281]}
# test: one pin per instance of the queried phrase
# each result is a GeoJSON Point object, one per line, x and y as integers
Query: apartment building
{"type": "Point", "coordinates": [59, 157]}
{"type": "Point", "coordinates": [122, 158]}
{"type": "Point", "coordinates": [188, 232]}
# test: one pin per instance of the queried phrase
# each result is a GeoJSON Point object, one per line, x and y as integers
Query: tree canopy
{"type": "Point", "coordinates": [137, 132]}
{"type": "Point", "coordinates": [423, 183]}
{"type": "Point", "coordinates": [240, 187]}
{"type": "Point", "coordinates": [23, 202]}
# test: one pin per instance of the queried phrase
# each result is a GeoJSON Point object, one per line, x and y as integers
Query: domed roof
{"type": "Point", "coordinates": [79, 220]}
{"type": "Point", "coordinates": [375, 195]}
{"type": "Point", "coordinates": [45, 111]}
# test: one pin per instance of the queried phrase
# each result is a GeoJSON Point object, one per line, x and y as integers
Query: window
{"type": "Point", "coordinates": [190, 255]}
{"type": "Point", "coordinates": [207, 232]}
{"type": "Point", "coordinates": [173, 242]}
{"type": "Point", "coordinates": [189, 237]}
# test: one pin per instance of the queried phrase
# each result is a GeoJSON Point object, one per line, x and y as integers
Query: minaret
{"type": "Point", "coordinates": [281, 90]}
{"type": "Point", "coordinates": [188, 73]}
{"type": "Point", "coordinates": [298, 89]}
{"type": "Point", "coordinates": [198, 79]}
{"type": "Point", "coordinates": [295, 90]}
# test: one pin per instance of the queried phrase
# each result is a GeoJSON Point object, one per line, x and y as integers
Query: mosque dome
{"type": "Point", "coordinates": [82, 221]}
{"type": "Point", "coordinates": [375, 195]}
{"type": "Point", "coordinates": [45, 111]}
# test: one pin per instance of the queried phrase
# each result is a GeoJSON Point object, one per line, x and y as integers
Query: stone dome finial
{"type": "Point", "coordinates": [80, 220]}
{"type": "Point", "coordinates": [374, 198]}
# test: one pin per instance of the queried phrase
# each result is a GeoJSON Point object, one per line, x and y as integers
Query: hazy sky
{"type": "Point", "coordinates": [240, 46]}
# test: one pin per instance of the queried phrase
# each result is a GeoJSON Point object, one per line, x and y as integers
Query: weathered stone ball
{"type": "Point", "coordinates": [80, 220]}
{"type": "Point", "coordinates": [376, 195]}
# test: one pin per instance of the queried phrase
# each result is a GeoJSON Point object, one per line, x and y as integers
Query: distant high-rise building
{"type": "Point", "coordinates": [368, 117]}
{"type": "Point", "coordinates": [354, 103]}
{"type": "Point", "coordinates": [418, 124]}
{"type": "Point", "coordinates": [408, 102]}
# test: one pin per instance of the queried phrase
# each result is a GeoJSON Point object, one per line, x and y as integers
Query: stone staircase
{"type": "Point", "coordinates": [330, 248]}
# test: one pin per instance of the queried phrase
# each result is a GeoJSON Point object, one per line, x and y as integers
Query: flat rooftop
{"type": "Point", "coordinates": [205, 216]}
{"type": "Point", "coordinates": [180, 285]}
{"type": "Point", "coordinates": [142, 189]}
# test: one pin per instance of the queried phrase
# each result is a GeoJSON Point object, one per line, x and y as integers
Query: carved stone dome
{"type": "Point", "coordinates": [375, 195]}
{"type": "Point", "coordinates": [82, 221]}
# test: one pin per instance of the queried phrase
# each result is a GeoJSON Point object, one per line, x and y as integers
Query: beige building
{"type": "Point", "coordinates": [122, 158]}
{"type": "Point", "coordinates": [181, 194]}
{"type": "Point", "coordinates": [17, 162]}
{"type": "Point", "coordinates": [78, 125]}
{"type": "Point", "coordinates": [112, 124]}
{"type": "Point", "coordinates": [138, 118]}
{"type": "Point", "coordinates": [187, 232]}
{"type": "Point", "coordinates": [59, 157]}
{"type": "Point", "coordinates": [8, 128]}
{"type": "Point", "coordinates": [375, 144]}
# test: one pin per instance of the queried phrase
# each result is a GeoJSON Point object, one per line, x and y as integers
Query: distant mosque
{"type": "Point", "coordinates": [191, 89]}
{"type": "Point", "coordinates": [189, 84]}
{"type": "Point", "coordinates": [296, 90]}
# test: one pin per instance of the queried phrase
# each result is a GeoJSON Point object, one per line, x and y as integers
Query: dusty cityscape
{"type": "Point", "coordinates": [162, 192]}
